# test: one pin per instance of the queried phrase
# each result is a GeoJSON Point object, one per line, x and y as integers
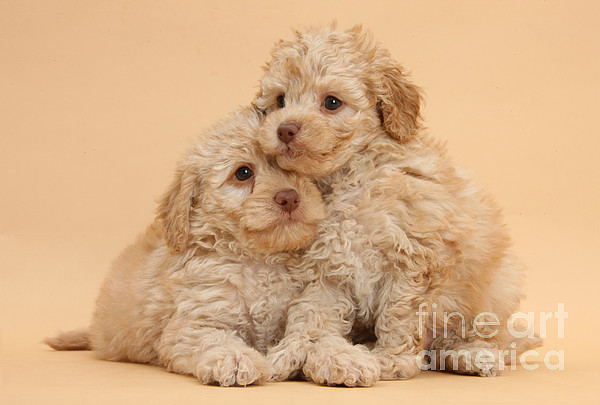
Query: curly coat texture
{"type": "Point", "coordinates": [404, 225]}
{"type": "Point", "coordinates": [204, 290]}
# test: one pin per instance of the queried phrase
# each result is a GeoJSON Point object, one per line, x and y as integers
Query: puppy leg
{"type": "Point", "coordinates": [315, 342]}
{"type": "Point", "coordinates": [212, 355]}
{"type": "Point", "coordinates": [466, 355]}
{"type": "Point", "coordinates": [398, 343]}
{"type": "Point", "coordinates": [334, 361]}
{"type": "Point", "coordinates": [400, 338]}
{"type": "Point", "coordinates": [483, 352]}
{"type": "Point", "coordinates": [202, 338]}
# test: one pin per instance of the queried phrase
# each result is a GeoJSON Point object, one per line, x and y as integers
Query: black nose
{"type": "Point", "coordinates": [288, 200]}
{"type": "Point", "coordinates": [287, 131]}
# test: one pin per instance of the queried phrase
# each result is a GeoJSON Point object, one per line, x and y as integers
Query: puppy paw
{"type": "Point", "coordinates": [287, 358]}
{"type": "Point", "coordinates": [483, 362]}
{"type": "Point", "coordinates": [396, 366]}
{"type": "Point", "coordinates": [240, 367]}
{"type": "Point", "coordinates": [341, 364]}
{"type": "Point", "coordinates": [489, 372]}
{"type": "Point", "coordinates": [489, 365]}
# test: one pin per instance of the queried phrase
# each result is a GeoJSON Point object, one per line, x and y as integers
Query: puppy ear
{"type": "Point", "coordinates": [260, 113]}
{"type": "Point", "coordinates": [175, 207]}
{"type": "Point", "coordinates": [398, 100]}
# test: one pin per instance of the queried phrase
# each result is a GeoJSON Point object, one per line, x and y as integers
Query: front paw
{"type": "Point", "coordinates": [488, 363]}
{"type": "Point", "coordinates": [396, 366]}
{"type": "Point", "coordinates": [469, 360]}
{"type": "Point", "coordinates": [341, 364]}
{"type": "Point", "coordinates": [287, 358]}
{"type": "Point", "coordinates": [235, 367]}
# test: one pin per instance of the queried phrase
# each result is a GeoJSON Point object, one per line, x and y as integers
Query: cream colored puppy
{"type": "Point", "coordinates": [204, 291]}
{"type": "Point", "coordinates": [407, 233]}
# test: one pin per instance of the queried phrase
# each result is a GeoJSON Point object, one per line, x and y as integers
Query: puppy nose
{"type": "Point", "coordinates": [287, 131]}
{"type": "Point", "coordinates": [288, 200]}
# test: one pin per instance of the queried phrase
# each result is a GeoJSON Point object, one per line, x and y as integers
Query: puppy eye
{"type": "Point", "coordinates": [332, 103]}
{"type": "Point", "coordinates": [243, 173]}
{"type": "Point", "coordinates": [281, 101]}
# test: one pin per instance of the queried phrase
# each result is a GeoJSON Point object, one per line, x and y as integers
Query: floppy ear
{"type": "Point", "coordinates": [398, 100]}
{"type": "Point", "coordinates": [260, 113]}
{"type": "Point", "coordinates": [176, 205]}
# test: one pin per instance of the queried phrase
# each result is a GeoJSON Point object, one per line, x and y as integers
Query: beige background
{"type": "Point", "coordinates": [98, 98]}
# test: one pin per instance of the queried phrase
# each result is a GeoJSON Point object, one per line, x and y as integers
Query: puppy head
{"type": "Point", "coordinates": [326, 93]}
{"type": "Point", "coordinates": [226, 191]}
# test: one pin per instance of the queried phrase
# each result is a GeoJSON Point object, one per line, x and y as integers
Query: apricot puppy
{"type": "Point", "coordinates": [406, 231]}
{"type": "Point", "coordinates": [205, 289]}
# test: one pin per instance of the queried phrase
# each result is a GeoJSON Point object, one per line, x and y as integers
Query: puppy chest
{"type": "Point", "coordinates": [354, 262]}
{"type": "Point", "coordinates": [266, 293]}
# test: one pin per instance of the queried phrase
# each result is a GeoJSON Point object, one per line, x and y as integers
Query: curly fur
{"type": "Point", "coordinates": [205, 289]}
{"type": "Point", "coordinates": [404, 225]}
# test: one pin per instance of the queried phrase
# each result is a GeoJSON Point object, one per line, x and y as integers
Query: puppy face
{"type": "Point", "coordinates": [326, 93]}
{"type": "Point", "coordinates": [226, 189]}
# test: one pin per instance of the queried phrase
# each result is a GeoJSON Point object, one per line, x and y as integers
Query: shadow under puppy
{"type": "Point", "coordinates": [407, 232]}
{"type": "Point", "coordinates": [204, 291]}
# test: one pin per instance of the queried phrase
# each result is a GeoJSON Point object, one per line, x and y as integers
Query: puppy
{"type": "Point", "coordinates": [406, 231]}
{"type": "Point", "coordinates": [204, 290]}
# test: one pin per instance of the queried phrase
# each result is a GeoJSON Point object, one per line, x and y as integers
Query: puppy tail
{"type": "Point", "coordinates": [78, 339]}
